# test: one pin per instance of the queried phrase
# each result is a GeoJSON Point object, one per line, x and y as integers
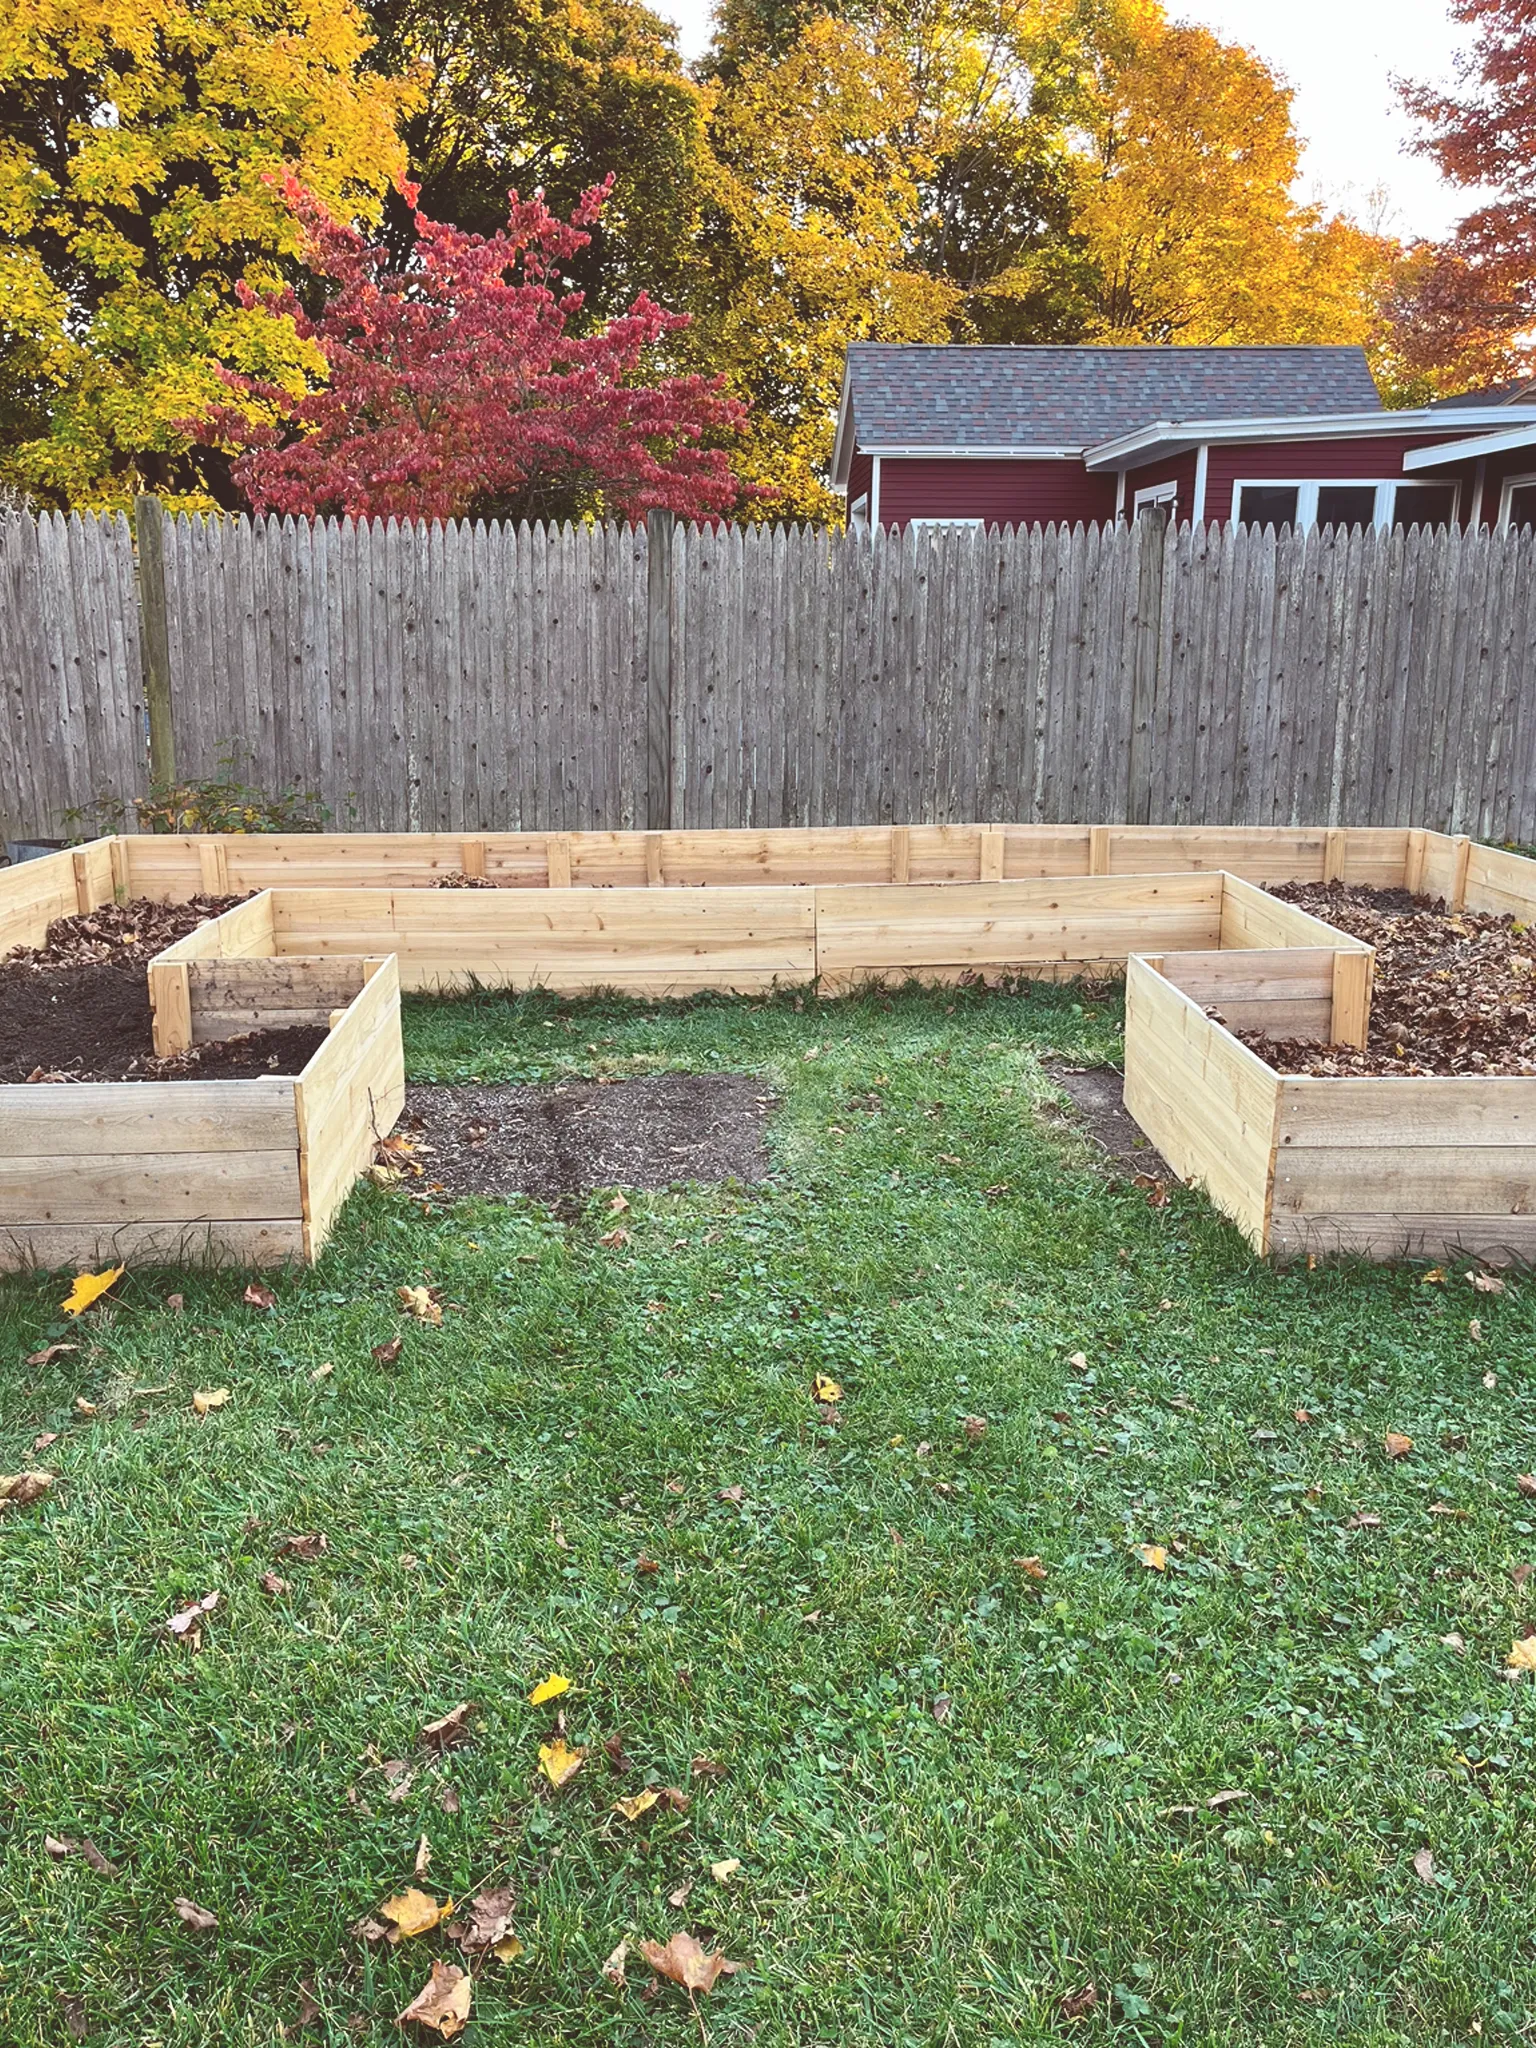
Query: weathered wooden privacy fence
{"type": "Point", "coordinates": [505, 678]}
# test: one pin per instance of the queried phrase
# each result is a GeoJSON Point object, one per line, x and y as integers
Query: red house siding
{"type": "Point", "coordinates": [1003, 493]}
{"type": "Point", "coordinates": [858, 478]}
{"type": "Point", "coordinates": [1368, 460]}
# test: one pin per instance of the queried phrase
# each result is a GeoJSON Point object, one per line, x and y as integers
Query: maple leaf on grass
{"type": "Point", "coordinates": [48, 1354]}
{"type": "Point", "coordinates": [198, 1918]}
{"type": "Point", "coordinates": [558, 1762]}
{"type": "Point", "coordinates": [642, 1802]}
{"type": "Point", "coordinates": [89, 1287]}
{"type": "Point", "coordinates": [442, 2004]}
{"type": "Point", "coordinates": [549, 1689]}
{"type": "Point", "coordinates": [422, 1303]}
{"type": "Point", "coordinates": [413, 1912]}
{"type": "Point", "coordinates": [486, 1929]}
{"type": "Point", "coordinates": [685, 1962]}
{"type": "Point", "coordinates": [207, 1399]}
{"type": "Point", "coordinates": [259, 1295]}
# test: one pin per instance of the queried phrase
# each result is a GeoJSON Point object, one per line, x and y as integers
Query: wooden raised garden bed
{"type": "Point", "coordinates": [1383, 1165]}
{"type": "Point", "coordinates": [239, 1172]}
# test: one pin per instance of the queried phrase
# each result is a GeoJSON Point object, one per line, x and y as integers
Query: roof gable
{"type": "Point", "coordinates": [1015, 398]}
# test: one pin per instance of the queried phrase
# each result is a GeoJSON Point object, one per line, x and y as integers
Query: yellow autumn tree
{"type": "Point", "coordinates": [1184, 204]}
{"type": "Point", "coordinates": [138, 145]}
{"type": "Point", "coordinates": [814, 207]}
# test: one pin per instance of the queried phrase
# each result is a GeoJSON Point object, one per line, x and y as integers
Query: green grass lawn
{"type": "Point", "coordinates": [958, 1793]}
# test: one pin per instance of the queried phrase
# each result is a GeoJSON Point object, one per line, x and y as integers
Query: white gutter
{"type": "Point", "coordinates": [1473, 449]}
{"type": "Point", "coordinates": [1177, 437]}
{"type": "Point", "coordinates": [1012, 453]}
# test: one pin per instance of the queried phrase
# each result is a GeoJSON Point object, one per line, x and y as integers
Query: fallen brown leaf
{"type": "Point", "coordinates": [707, 1767]}
{"type": "Point", "coordinates": [447, 1799]}
{"type": "Point", "coordinates": [269, 1582]}
{"type": "Point", "coordinates": [44, 1442]}
{"type": "Point", "coordinates": [1031, 1567]}
{"type": "Point", "coordinates": [1077, 2005]}
{"type": "Point", "coordinates": [613, 1968]}
{"type": "Point", "coordinates": [423, 1861]}
{"type": "Point", "coordinates": [259, 1295]}
{"type": "Point", "coordinates": [975, 1428]}
{"type": "Point", "coordinates": [20, 1489]}
{"type": "Point", "coordinates": [679, 1898]}
{"type": "Point", "coordinates": [942, 1708]}
{"type": "Point", "coordinates": [1486, 1283]}
{"type": "Point", "coordinates": [1220, 1801]}
{"type": "Point", "coordinates": [1363, 1522]}
{"type": "Point", "coordinates": [175, 1303]}
{"type": "Point", "coordinates": [451, 1729]}
{"type": "Point", "coordinates": [386, 1354]}
{"type": "Point", "coordinates": [442, 2004]}
{"type": "Point", "coordinates": [48, 1354]}
{"type": "Point", "coordinates": [1527, 1484]}
{"type": "Point", "coordinates": [645, 1566]}
{"type": "Point", "coordinates": [1424, 1866]}
{"type": "Point", "coordinates": [307, 2014]}
{"type": "Point", "coordinates": [60, 1846]}
{"type": "Point", "coordinates": [207, 1399]}
{"type": "Point", "coordinates": [677, 1800]}
{"type": "Point", "coordinates": [198, 1918]}
{"type": "Point", "coordinates": [684, 1962]}
{"type": "Point", "coordinates": [731, 1493]}
{"type": "Point", "coordinates": [74, 2016]}
{"type": "Point", "coordinates": [487, 1925]}
{"type": "Point", "coordinates": [615, 1239]}
{"type": "Point", "coordinates": [1396, 1445]}
{"type": "Point", "coordinates": [305, 1548]}
{"type": "Point", "coordinates": [1153, 1556]}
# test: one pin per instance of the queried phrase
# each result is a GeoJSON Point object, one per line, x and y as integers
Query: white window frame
{"type": "Point", "coordinates": [1307, 489]}
{"type": "Point", "coordinates": [1507, 491]}
{"type": "Point", "coordinates": [1155, 494]}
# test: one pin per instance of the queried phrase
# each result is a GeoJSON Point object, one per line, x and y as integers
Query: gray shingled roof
{"type": "Point", "coordinates": [971, 397]}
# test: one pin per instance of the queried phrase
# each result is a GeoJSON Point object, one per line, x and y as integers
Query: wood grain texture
{"type": "Point", "coordinates": [348, 1097]}
{"type": "Point", "coordinates": [1205, 1101]}
{"type": "Point", "coordinates": [71, 1247]}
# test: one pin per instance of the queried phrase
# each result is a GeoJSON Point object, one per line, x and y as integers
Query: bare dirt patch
{"type": "Point", "coordinates": [1098, 1096]}
{"type": "Point", "coordinates": [570, 1137]}
{"type": "Point", "coordinates": [76, 1008]}
{"type": "Point", "coordinates": [1455, 989]}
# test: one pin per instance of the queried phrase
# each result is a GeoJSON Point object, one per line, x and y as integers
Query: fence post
{"type": "Point", "coordinates": [659, 527]}
{"type": "Point", "coordinates": [1150, 531]}
{"type": "Point", "coordinates": [149, 534]}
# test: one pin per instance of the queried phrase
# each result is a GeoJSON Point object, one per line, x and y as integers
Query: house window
{"type": "Point", "coordinates": [858, 512]}
{"type": "Point", "coordinates": [1518, 506]}
{"type": "Point", "coordinates": [1383, 503]}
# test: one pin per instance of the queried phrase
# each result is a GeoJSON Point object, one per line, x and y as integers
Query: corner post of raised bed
{"type": "Point", "coordinates": [170, 999]}
{"type": "Point", "coordinates": [472, 858]}
{"type": "Point", "coordinates": [1352, 977]}
{"type": "Point", "coordinates": [1459, 872]}
{"type": "Point", "coordinates": [901, 853]}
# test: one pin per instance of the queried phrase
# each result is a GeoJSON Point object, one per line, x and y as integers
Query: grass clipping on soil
{"type": "Point", "coordinates": [1455, 990]}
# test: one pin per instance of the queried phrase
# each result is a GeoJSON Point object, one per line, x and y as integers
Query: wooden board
{"type": "Point", "coordinates": [650, 942]}
{"type": "Point", "coordinates": [244, 933]}
{"type": "Point", "coordinates": [1250, 916]}
{"type": "Point", "coordinates": [274, 1241]}
{"type": "Point", "coordinates": [139, 1187]}
{"type": "Point", "coordinates": [1205, 1101]}
{"type": "Point", "coordinates": [892, 932]}
{"type": "Point", "coordinates": [1285, 993]}
{"type": "Point", "coordinates": [1392, 1111]}
{"type": "Point", "coordinates": [1499, 881]}
{"type": "Point", "coordinates": [348, 1097]}
{"type": "Point", "coordinates": [1388, 1235]}
{"type": "Point", "coordinates": [1344, 1179]}
{"type": "Point", "coordinates": [81, 1118]}
{"type": "Point", "coordinates": [32, 895]}
{"type": "Point", "coordinates": [231, 996]}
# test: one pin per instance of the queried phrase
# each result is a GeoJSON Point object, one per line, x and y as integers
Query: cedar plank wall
{"type": "Point", "coordinates": [1003, 492]}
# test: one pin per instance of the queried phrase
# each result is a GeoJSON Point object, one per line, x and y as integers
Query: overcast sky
{"type": "Point", "coordinates": [1341, 56]}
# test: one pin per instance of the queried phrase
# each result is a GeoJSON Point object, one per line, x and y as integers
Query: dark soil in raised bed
{"type": "Point", "coordinates": [76, 1008]}
{"type": "Point", "coordinates": [570, 1137]}
{"type": "Point", "coordinates": [1455, 990]}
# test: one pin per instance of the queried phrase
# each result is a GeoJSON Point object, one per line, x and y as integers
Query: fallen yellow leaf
{"type": "Point", "coordinates": [414, 1912]}
{"type": "Point", "coordinates": [419, 1302]}
{"type": "Point", "coordinates": [725, 1870]}
{"type": "Point", "coordinates": [1522, 1654]}
{"type": "Point", "coordinates": [89, 1287]}
{"type": "Point", "coordinates": [508, 1949]}
{"type": "Point", "coordinates": [1153, 1556]}
{"type": "Point", "coordinates": [826, 1389]}
{"type": "Point", "coordinates": [214, 1397]}
{"type": "Point", "coordinates": [550, 1689]}
{"type": "Point", "coordinates": [559, 1763]}
{"type": "Point", "coordinates": [633, 1808]}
